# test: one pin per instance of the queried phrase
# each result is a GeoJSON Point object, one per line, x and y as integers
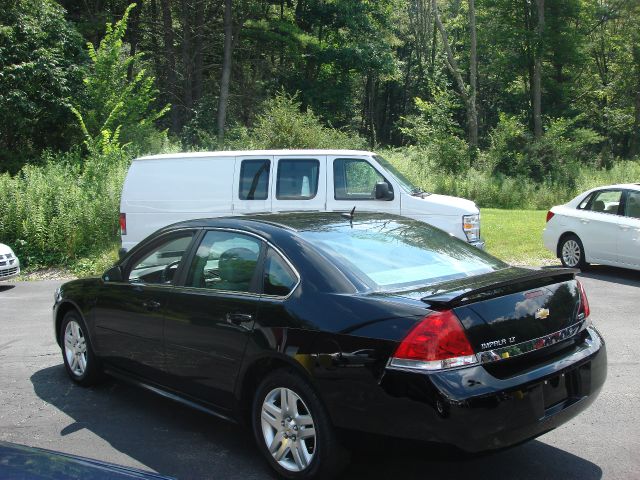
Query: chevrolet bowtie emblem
{"type": "Point", "coordinates": [542, 313]}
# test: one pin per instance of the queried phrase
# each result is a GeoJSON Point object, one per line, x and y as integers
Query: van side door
{"type": "Point", "coordinates": [352, 182]}
{"type": "Point", "coordinates": [299, 183]}
{"type": "Point", "coordinates": [252, 184]}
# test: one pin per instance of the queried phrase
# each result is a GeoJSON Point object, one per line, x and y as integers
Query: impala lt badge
{"type": "Point", "coordinates": [542, 313]}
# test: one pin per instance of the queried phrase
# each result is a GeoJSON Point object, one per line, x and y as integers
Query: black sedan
{"type": "Point", "coordinates": [306, 325]}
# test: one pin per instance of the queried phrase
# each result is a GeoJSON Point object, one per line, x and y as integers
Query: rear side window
{"type": "Point", "coordinates": [297, 179]}
{"type": "Point", "coordinates": [254, 179]}
{"type": "Point", "coordinates": [278, 279]}
{"type": "Point", "coordinates": [224, 261]}
{"type": "Point", "coordinates": [632, 207]}
{"type": "Point", "coordinates": [355, 179]}
{"type": "Point", "coordinates": [606, 201]}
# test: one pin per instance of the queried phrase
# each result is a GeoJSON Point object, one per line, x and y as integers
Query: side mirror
{"type": "Point", "coordinates": [114, 274]}
{"type": "Point", "coordinates": [121, 253]}
{"type": "Point", "coordinates": [383, 192]}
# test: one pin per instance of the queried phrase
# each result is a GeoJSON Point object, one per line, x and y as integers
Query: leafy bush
{"type": "Point", "coordinates": [436, 133]}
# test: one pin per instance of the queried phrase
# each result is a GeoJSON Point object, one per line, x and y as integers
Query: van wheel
{"type": "Point", "coordinates": [571, 252]}
{"type": "Point", "coordinates": [81, 363]}
{"type": "Point", "coordinates": [293, 430]}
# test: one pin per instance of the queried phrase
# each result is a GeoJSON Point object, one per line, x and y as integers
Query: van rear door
{"type": "Point", "coordinates": [251, 184]}
{"type": "Point", "coordinates": [300, 183]}
{"type": "Point", "coordinates": [351, 182]}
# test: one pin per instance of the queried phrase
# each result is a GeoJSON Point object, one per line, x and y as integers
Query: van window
{"type": "Point", "coordinates": [254, 179]}
{"type": "Point", "coordinates": [297, 179]}
{"type": "Point", "coordinates": [355, 179]}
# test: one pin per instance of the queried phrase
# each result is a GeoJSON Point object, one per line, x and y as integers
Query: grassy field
{"type": "Point", "coordinates": [515, 236]}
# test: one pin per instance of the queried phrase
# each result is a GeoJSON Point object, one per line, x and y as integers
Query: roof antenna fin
{"type": "Point", "coordinates": [350, 215]}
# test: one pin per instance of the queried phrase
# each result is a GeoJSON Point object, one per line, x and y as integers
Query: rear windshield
{"type": "Point", "coordinates": [392, 254]}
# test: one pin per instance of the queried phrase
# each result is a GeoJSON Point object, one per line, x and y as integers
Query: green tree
{"type": "Point", "coordinates": [41, 67]}
{"type": "Point", "coordinates": [119, 106]}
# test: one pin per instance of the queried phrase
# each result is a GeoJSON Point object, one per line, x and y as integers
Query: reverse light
{"type": "Point", "coordinates": [584, 303]}
{"type": "Point", "coordinates": [437, 342]}
{"type": "Point", "coordinates": [550, 215]}
{"type": "Point", "coordinates": [123, 224]}
{"type": "Point", "coordinates": [471, 227]}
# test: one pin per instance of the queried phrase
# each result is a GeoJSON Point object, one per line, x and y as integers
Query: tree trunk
{"type": "Point", "coordinates": [537, 72]}
{"type": "Point", "coordinates": [226, 69]}
{"type": "Point", "coordinates": [170, 59]}
{"type": "Point", "coordinates": [132, 31]}
{"type": "Point", "coordinates": [472, 112]}
{"type": "Point", "coordinates": [198, 54]}
{"type": "Point", "coordinates": [469, 100]}
{"type": "Point", "coordinates": [187, 63]}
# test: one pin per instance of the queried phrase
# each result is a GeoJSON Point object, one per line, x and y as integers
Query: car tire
{"type": "Point", "coordinates": [571, 252]}
{"type": "Point", "coordinates": [80, 361]}
{"type": "Point", "coordinates": [297, 439]}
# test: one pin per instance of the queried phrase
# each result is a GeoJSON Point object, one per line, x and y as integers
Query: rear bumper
{"type": "Point", "coordinates": [475, 411]}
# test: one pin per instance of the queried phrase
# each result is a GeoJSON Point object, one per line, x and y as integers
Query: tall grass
{"type": "Point", "coordinates": [66, 208]}
{"type": "Point", "coordinates": [499, 191]}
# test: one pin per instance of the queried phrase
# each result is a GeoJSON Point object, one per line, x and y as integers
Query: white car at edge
{"type": "Point", "coordinates": [9, 263]}
{"type": "Point", "coordinates": [601, 225]}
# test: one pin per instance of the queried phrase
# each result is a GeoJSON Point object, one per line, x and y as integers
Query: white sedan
{"type": "Point", "coordinates": [9, 263]}
{"type": "Point", "coordinates": [598, 226]}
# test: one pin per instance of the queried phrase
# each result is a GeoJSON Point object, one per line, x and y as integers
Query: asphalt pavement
{"type": "Point", "coordinates": [114, 422]}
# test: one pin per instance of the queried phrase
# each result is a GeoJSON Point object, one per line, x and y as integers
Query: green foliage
{"type": "Point", "coordinates": [283, 123]}
{"type": "Point", "coordinates": [41, 65]}
{"type": "Point", "coordinates": [57, 212]}
{"type": "Point", "coordinates": [435, 131]}
{"type": "Point", "coordinates": [120, 96]}
{"type": "Point", "coordinates": [514, 152]}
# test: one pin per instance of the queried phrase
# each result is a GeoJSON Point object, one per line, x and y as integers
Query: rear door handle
{"type": "Point", "coordinates": [151, 305]}
{"type": "Point", "coordinates": [624, 227]}
{"type": "Point", "coordinates": [238, 318]}
{"type": "Point", "coordinates": [584, 220]}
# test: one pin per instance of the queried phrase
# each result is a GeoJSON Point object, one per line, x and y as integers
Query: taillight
{"type": "Point", "coordinates": [584, 303]}
{"type": "Point", "coordinates": [123, 224]}
{"type": "Point", "coordinates": [437, 342]}
{"type": "Point", "coordinates": [550, 215]}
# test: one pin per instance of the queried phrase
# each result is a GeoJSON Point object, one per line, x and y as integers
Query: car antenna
{"type": "Point", "coordinates": [350, 214]}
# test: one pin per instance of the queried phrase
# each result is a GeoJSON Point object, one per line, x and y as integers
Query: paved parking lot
{"type": "Point", "coordinates": [114, 422]}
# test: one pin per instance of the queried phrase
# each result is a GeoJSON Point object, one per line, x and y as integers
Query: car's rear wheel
{"type": "Point", "coordinates": [80, 361]}
{"type": "Point", "coordinates": [572, 252]}
{"type": "Point", "coordinates": [292, 429]}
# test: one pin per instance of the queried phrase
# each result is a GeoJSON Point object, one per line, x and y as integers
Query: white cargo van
{"type": "Point", "coordinates": [163, 189]}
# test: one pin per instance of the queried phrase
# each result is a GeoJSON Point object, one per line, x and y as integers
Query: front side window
{"type": "Point", "coordinates": [278, 279]}
{"type": "Point", "coordinates": [159, 266]}
{"type": "Point", "coordinates": [632, 207]}
{"type": "Point", "coordinates": [606, 201]}
{"type": "Point", "coordinates": [224, 261]}
{"type": "Point", "coordinates": [254, 179]}
{"type": "Point", "coordinates": [297, 179]}
{"type": "Point", "coordinates": [355, 179]}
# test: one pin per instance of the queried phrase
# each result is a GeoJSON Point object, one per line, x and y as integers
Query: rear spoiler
{"type": "Point", "coordinates": [456, 298]}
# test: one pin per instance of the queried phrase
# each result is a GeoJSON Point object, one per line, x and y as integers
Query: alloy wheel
{"type": "Point", "coordinates": [571, 253]}
{"type": "Point", "coordinates": [75, 348]}
{"type": "Point", "coordinates": [288, 429]}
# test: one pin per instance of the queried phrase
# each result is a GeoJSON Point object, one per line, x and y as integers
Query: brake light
{"type": "Point", "coordinates": [123, 224]}
{"type": "Point", "coordinates": [550, 215]}
{"type": "Point", "coordinates": [584, 303]}
{"type": "Point", "coordinates": [437, 342]}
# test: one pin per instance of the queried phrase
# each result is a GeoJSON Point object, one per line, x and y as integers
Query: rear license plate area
{"type": "Point", "coordinates": [554, 391]}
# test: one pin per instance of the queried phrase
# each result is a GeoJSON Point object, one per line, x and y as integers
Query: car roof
{"type": "Point", "coordinates": [291, 221]}
{"type": "Point", "coordinates": [240, 153]}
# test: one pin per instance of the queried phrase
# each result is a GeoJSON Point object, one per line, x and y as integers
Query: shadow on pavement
{"type": "Point", "coordinates": [177, 441]}
{"type": "Point", "coordinates": [6, 286]}
{"type": "Point", "coordinates": [621, 276]}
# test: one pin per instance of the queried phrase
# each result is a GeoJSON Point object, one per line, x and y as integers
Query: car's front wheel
{"type": "Point", "coordinates": [80, 361]}
{"type": "Point", "coordinates": [572, 252]}
{"type": "Point", "coordinates": [292, 429]}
